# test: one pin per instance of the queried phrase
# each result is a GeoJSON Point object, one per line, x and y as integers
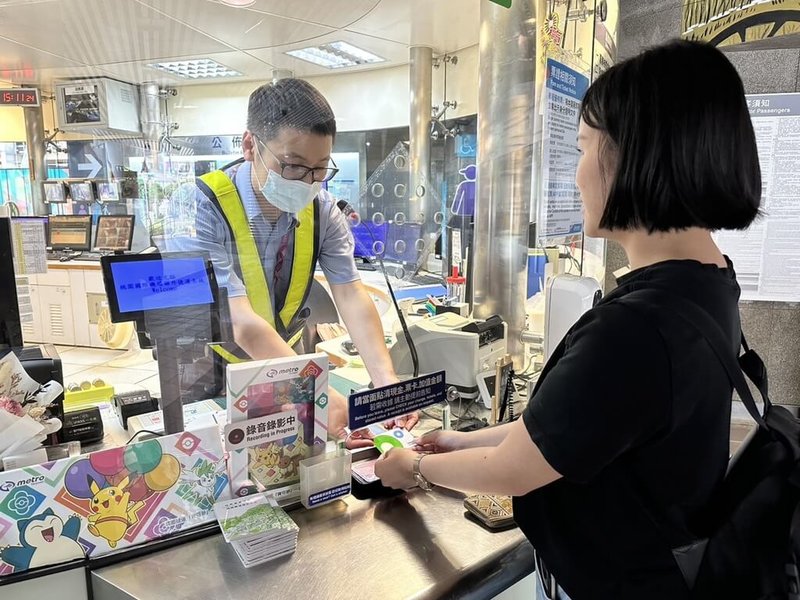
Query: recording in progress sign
{"type": "Point", "coordinates": [261, 430]}
{"type": "Point", "coordinates": [386, 403]}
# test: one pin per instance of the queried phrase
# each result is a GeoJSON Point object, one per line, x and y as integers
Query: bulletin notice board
{"type": "Point", "coordinates": [767, 255]}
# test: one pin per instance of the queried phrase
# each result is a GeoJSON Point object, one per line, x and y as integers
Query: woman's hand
{"type": "Point", "coordinates": [441, 441]}
{"type": "Point", "coordinates": [396, 468]}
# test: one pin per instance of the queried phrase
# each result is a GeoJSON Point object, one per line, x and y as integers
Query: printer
{"type": "Point", "coordinates": [459, 346]}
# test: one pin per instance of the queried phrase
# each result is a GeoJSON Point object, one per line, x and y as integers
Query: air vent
{"type": "Point", "coordinates": [57, 320]}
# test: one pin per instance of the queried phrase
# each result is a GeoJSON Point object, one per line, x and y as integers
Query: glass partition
{"type": "Point", "coordinates": [140, 123]}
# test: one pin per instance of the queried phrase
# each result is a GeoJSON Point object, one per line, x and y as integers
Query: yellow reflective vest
{"type": "Point", "coordinates": [220, 189]}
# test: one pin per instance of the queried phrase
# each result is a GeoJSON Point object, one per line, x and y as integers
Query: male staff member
{"type": "Point", "coordinates": [266, 222]}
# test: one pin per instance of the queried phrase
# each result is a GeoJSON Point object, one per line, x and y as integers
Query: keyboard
{"type": "Point", "coordinates": [88, 257]}
{"type": "Point", "coordinates": [83, 257]}
{"type": "Point", "coordinates": [421, 279]}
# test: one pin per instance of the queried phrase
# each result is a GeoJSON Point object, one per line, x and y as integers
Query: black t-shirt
{"type": "Point", "coordinates": [637, 420]}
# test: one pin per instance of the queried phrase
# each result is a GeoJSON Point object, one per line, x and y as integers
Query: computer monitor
{"type": "Point", "coordinates": [114, 233]}
{"type": "Point", "coordinates": [369, 239]}
{"type": "Point", "coordinates": [139, 283]}
{"type": "Point", "coordinates": [82, 191]}
{"type": "Point", "coordinates": [55, 192]}
{"type": "Point", "coordinates": [72, 232]}
{"type": "Point", "coordinates": [108, 191]}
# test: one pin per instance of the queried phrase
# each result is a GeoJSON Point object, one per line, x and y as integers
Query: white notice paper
{"type": "Point", "coordinates": [24, 300]}
{"type": "Point", "coordinates": [560, 213]}
{"type": "Point", "coordinates": [767, 255]}
{"type": "Point", "coordinates": [30, 245]}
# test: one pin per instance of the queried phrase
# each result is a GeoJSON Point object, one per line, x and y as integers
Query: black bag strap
{"type": "Point", "coordinates": [794, 533]}
{"type": "Point", "coordinates": [749, 363]}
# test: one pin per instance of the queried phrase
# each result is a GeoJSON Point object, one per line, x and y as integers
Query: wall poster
{"type": "Point", "coordinates": [767, 255]}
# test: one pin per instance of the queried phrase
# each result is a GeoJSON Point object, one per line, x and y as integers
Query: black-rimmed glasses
{"type": "Point", "coordinates": [298, 172]}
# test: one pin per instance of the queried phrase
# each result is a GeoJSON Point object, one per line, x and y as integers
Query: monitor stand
{"type": "Point", "coordinates": [169, 379]}
{"type": "Point", "coordinates": [163, 329]}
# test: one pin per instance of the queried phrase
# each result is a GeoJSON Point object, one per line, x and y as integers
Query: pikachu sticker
{"type": "Point", "coordinates": [112, 511]}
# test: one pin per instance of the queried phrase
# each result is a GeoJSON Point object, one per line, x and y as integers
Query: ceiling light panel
{"type": "Point", "coordinates": [336, 55]}
{"type": "Point", "coordinates": [200, 68]}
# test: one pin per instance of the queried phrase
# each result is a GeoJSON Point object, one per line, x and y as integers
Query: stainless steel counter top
{"type": "Point", "coordinates": [419, 545]}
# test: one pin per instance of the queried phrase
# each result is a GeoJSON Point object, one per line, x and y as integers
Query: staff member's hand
{"type": "Point", "coordinates": [407, 422]}
{"type": "Point", "coordinates": [337, 423]}
{"type": "Point", "coordinates": [396, 468]}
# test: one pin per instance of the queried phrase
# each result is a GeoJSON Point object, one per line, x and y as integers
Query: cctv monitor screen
{"type": "Point", "coordinates": [81, 104]}
{"type": "Point", "coordinates": [108, 191]}
{"type": "Point", "coordinates": [55, 192]}
{"type": "Point", "coordinates": [81, 191]}
{"type": "Point", "coordinates": [139, 283]}
{"type": "Point", "coordinates": [68, 231]}
{"type": "Point", "coordinates": [114, 233]}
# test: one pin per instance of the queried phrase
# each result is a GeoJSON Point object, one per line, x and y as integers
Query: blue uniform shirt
{"type": "Point", "coordinates": [195, 224]}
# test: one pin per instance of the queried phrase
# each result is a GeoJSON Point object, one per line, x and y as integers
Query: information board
{"type": "Point", "coordinates": [560, 212]}
{"type": "Point", "coordinates": [767, 255]}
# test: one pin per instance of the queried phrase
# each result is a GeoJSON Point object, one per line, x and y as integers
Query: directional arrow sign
{"type": "Point", "coordinates": [87, 160]}
{"type": "Point", "coordinates": [92, 167]}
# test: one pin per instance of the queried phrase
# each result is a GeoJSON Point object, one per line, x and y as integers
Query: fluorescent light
{"type": "Point", "coordinates": [199, 68]}
{"type": "Point", "coordinates": [238, 3]}
{"type": "Point", "coordinates": [336, 55]}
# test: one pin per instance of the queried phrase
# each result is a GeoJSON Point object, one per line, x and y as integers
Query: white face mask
{"type": "Point", "coordinates": [287, 195]}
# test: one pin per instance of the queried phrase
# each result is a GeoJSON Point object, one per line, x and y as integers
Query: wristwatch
{"type": "Point", "coordinates": [419, 478]}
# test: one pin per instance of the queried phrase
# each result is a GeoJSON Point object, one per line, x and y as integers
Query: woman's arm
{"type": "Point", "coordinates": [514, 467]}
{"type": "Point", "coordinates": [447, 441]}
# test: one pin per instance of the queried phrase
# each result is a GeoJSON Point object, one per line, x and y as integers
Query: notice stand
{"type": "Point", "coordinates": [384, 404]}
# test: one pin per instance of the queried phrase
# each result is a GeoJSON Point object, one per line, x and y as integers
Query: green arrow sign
{"type": "Point", "coordinates": [506, 3]}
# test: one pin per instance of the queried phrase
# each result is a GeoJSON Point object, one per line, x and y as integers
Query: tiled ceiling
{"type": "Point", "coordinates": [44, 40]}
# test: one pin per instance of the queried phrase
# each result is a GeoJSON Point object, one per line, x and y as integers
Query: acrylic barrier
{"type": "Point", "coordinates": [399, 224]}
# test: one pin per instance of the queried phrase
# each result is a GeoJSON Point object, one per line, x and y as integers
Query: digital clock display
{"type": "Point", "coordinates": [19, 97]}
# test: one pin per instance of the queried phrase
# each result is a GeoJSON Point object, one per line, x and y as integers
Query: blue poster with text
{"type": "Point", "coordinates": [565, 80]}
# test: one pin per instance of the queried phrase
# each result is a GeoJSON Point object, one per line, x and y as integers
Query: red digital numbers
{"type": "Point", "coordinates": [19, 97]}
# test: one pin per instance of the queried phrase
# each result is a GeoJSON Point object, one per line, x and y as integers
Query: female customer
{"type": "Point", "coordinates": [626, 435]}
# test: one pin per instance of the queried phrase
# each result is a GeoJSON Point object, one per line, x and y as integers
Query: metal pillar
{"type": "Point", "coordinates": [505, 152]}
{"type": "Point", "coordinates": [421, 205]}
{"type": "Point", "coordinates": [34, 136]}
{"type": "Point", "coordinates": [152, 126]}
{"type": "Point", "coordinates": [281, 74]}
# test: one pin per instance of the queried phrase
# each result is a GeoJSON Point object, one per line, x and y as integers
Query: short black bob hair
{"type": "Point", "coordinates": [289, 103]}
{"type": "Point", "coordinates": [684, 153]}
